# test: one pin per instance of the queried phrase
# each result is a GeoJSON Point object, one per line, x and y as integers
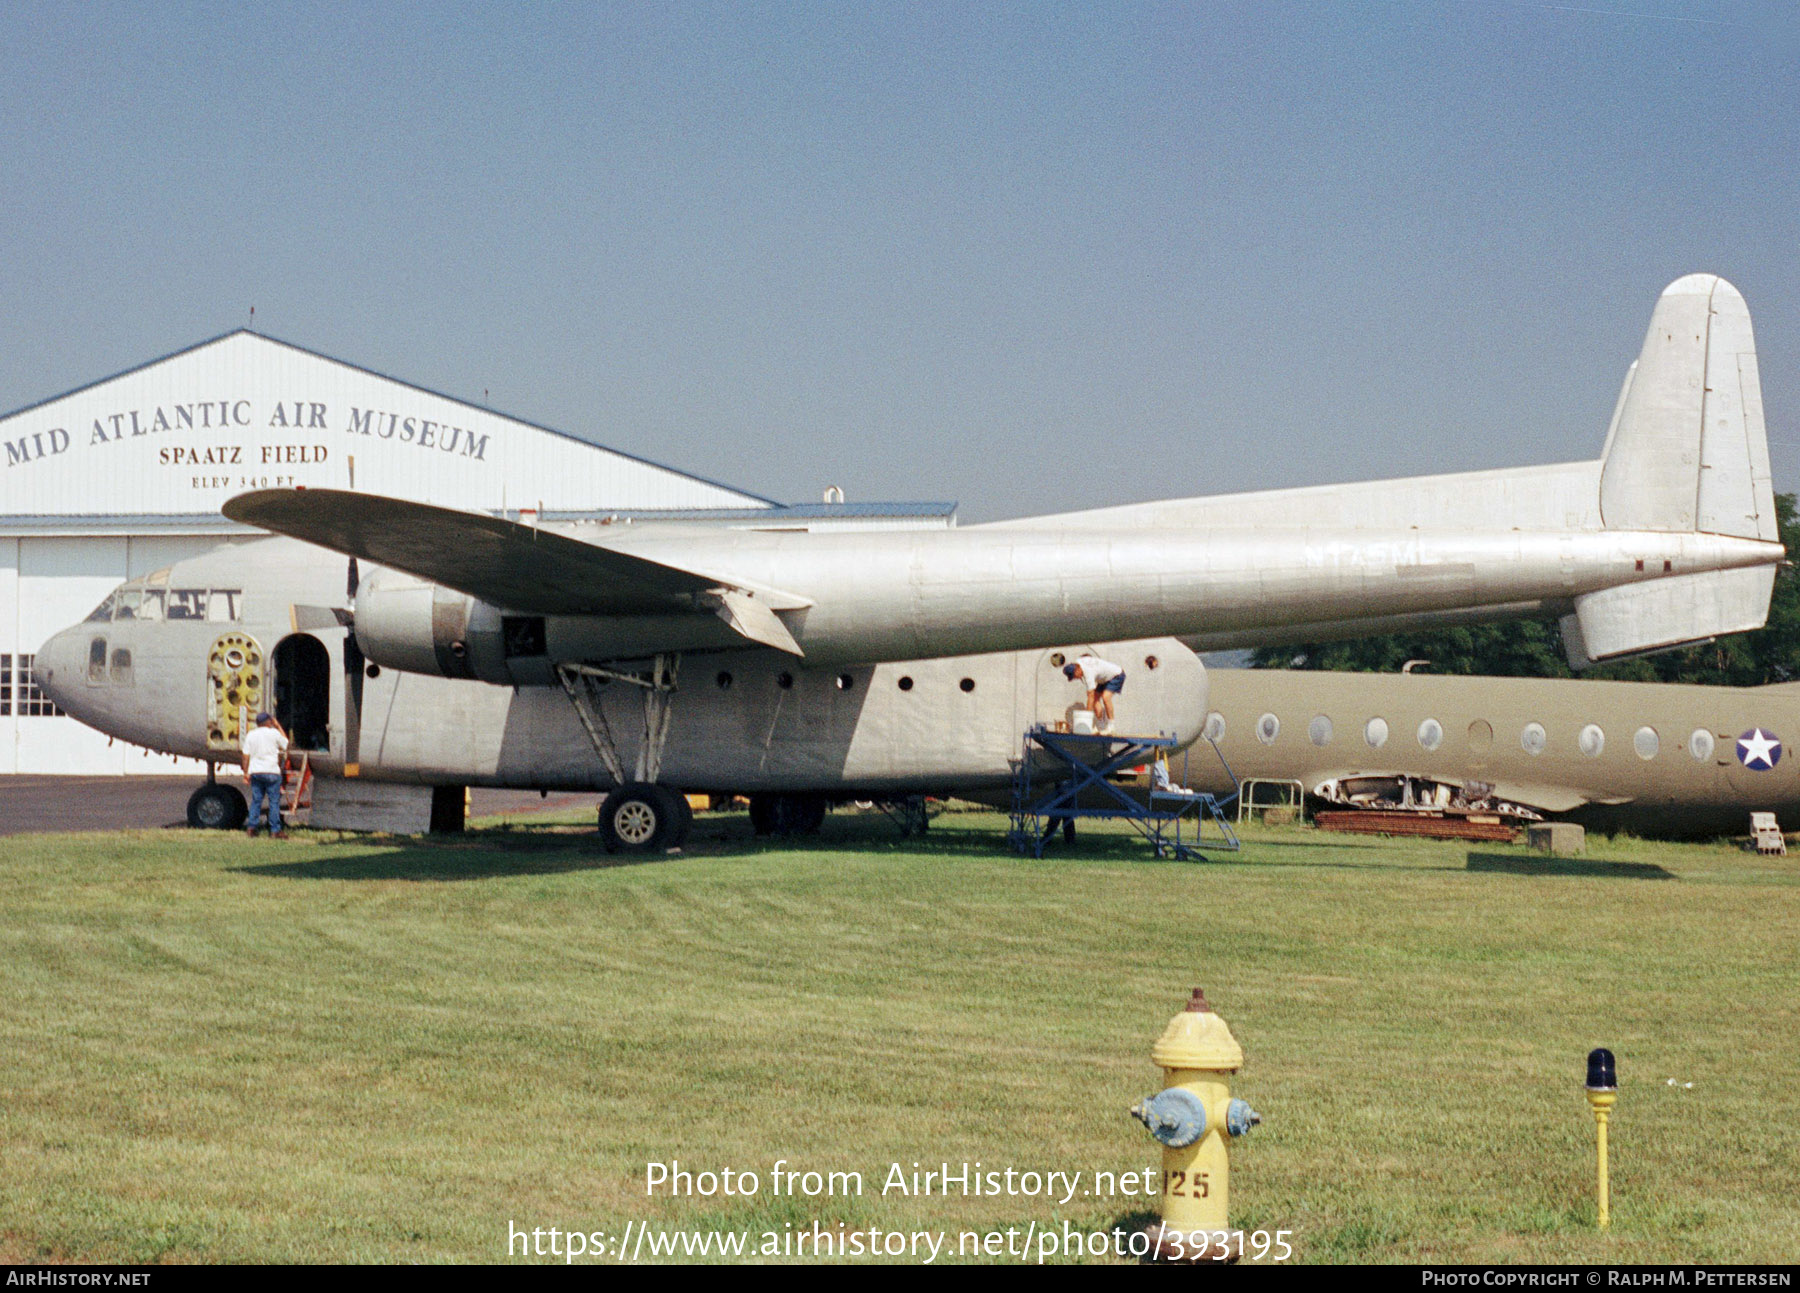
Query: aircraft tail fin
{"type": "Point", "coordinates": [1687, 452]}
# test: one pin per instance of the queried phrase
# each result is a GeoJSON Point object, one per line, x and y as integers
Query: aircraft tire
{"type": "Point", "coordinates": [217, 807]}
{"type": "Point", "coordinates": [637, 818]}
{"type": "Point", "coordinates": [914, 817]}
{"type": "Point", "coordinates": [683, 819]}
{"type": "Point", "coordinates": [808, 814]}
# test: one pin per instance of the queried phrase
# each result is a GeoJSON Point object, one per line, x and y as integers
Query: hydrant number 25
{"type": "Point", "coordinates": [1197, 1186]}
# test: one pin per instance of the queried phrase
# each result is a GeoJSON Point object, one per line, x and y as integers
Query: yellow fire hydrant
{"type": "Point", "coordinates": [1193, 1115]}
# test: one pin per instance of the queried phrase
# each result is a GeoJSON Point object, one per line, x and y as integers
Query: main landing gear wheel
{"type": "Point", "coordinates": [643, 818]}
{"type": "Point", "coordinates": [684, 819]}
{"type": "Point", "coordinates": [914, 819]}
{"type": "Point", "coordinates": [217, 807]}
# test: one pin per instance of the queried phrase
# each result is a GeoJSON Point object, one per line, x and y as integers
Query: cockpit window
{"type": "Point", "coordinates": [143, 604]}
{"type": "Point", "coordinates": [121, 665]}
{"type": "Point", "coordinates": [97, 660]}
{"type": "Point", "coordinates": [146, 599]}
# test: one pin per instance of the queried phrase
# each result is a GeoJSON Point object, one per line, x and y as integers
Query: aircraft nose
{"type": "Point", "coordinates": [57, 670]}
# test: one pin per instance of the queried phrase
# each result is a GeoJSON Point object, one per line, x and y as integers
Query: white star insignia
{"type": "Point", "coordinates": [1758, 750]}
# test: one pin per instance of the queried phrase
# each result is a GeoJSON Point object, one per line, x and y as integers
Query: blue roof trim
{"type": "Point", "coordinates": [125, 526]}
{"type": "Point", "coordinates": [148, 518]}
{"type": "Point", "coordinates": [774, 512]}
{"type": "Point", "coordinates": [779, 512]}
{"type": "Point", "coordinates": [411, 386]}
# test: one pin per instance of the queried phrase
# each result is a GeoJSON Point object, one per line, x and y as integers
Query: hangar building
{"type": "Point", "coordinates": [124, 476]}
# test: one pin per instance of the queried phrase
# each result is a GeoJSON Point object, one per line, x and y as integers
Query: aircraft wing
{"type": "Point", "coordinates": [515, 566]}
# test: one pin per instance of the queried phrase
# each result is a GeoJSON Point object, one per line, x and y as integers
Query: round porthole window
{"type": "Point", "coordinates": [1375, 732]}
{"type": "Point", "coordinates": [1319, 731]}
{"type": "Point", "coordinates": [1268, 727]}
{"type": "Point", "coordinates": [1215, 727]}
{"type": "Point", "coordinates": [1592, 740]}
{"type": "Point", "coordinates": [1533, 739]}
{"type": "Point", "coordinates": [905, 683]}
{"type": "Point", "coordinates": [1431, 734]}
{"type": "Point", "coordinates": [1700, 745]}
{"type": "Point", "coordinates": [1646, 743]}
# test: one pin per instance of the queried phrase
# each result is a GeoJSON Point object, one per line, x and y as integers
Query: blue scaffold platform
{"type": "Point", "coordinates": [1056, 769]}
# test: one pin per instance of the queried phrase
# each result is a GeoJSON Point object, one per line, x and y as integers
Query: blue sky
{"type": "Point", "coordinates": [1026, 257]}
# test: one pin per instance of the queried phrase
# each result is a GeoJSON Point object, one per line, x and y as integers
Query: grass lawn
{"type": "Point", "coordinates": [357, 1048]}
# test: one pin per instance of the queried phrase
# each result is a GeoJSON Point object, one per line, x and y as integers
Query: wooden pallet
{"type": "Point", "coordinates": [1375, 821]}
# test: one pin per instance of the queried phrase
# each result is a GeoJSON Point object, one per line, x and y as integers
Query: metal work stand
{"type": "Point", "coordinates": [1057, 768]}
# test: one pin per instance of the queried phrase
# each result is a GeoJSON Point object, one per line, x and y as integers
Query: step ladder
{"type": "Point", "coordinates": [296, 792]}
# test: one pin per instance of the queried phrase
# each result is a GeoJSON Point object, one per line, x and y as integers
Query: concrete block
{"type": "Point", "coordinates": [1561, 838]}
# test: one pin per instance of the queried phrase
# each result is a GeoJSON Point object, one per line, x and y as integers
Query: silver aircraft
{"type": "Point", "coordinates": [480, 650]}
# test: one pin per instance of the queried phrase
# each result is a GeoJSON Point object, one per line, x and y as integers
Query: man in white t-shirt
{"type": "Point", "coordinates": [265, 754]}
{"type": "Point", "coordinates": [1104, 680]}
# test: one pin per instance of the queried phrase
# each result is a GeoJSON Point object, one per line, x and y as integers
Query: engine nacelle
{"type": "Point", "coordinates": [419, 627]}
{"type": "Point", "coordinates": [408, 624]}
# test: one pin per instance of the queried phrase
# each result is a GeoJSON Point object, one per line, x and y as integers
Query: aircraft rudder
{"type": "Point", "coordinates": [1688, 450]}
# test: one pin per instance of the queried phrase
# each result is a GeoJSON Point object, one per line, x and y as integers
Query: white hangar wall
{"type": "Point", "coordinates": [127, 475]}
{"type": "Point", "coordinates": [47, 582]}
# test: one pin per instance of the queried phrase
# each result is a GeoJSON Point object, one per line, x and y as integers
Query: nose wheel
{"type": "Point", "coordinates": [217, 807]}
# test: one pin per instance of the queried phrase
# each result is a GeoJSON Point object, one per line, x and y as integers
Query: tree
{"type": "Point", "coordinates": [1534, 648]}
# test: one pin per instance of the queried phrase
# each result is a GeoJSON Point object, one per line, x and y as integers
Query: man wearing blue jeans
{"type": "Point", "coordinates": [265, 750]}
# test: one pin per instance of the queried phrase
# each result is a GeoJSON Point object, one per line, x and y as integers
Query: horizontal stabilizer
{"type": "Point", "coordinates": [517, 567]}
{"type": "Point", "coordinates": [1637, 619]}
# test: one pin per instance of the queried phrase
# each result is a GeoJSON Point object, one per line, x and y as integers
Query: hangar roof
{"type": "Point", "coordinates": [178, 435]}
